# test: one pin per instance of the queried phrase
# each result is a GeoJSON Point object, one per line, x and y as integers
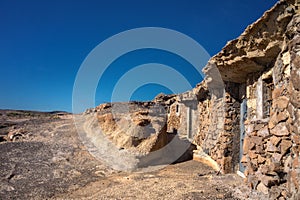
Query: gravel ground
{"type": "Point", "coordinates": [44, 159]}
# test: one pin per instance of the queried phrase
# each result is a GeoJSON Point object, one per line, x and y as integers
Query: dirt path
{"type": "Point", "coordinates": [188, 180]}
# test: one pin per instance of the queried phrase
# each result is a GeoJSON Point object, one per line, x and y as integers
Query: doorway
{"type": "Point", "coordinates": [243, 117]}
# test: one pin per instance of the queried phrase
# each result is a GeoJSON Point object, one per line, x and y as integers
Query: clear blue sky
{"type": "Point", "coordinates": [43, 43]}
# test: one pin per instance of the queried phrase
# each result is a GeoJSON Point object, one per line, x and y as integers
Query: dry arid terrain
{"type": "Point", "coordinates": [42, 157]}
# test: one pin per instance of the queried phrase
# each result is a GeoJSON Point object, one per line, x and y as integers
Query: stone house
{"type": "Point", "coordinates": [183, 116]}
{"type": "Point", "coordinates": [245, 115]}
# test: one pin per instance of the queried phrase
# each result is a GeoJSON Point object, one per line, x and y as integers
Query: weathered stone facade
{"type": "Point", "coordinates": [252, 122]}
{"type": "Point", "coordinates": [183, 118]}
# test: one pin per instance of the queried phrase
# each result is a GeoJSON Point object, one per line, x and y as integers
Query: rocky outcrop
{"type": "Point", "coordinates": [258, 46]}
{"type": "Point", "coordinates": [137, 127]}
{"type": "Point", "coordinates": [133, 135]}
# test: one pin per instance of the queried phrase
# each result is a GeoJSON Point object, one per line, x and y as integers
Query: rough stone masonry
{"type": "Point", "coordinates": [253, 126]}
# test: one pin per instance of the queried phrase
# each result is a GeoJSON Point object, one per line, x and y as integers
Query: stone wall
{"type": "Point", "coordinates": [174, 121]}
{"type": "Point", "coordinates": [271, 145]}
{"type": "Point", "coordinates": [263, 65]}
{"type": "Point", "coordinates": [219, 129]}
{"type": "Point", "coordinates": [182, 116]}
{"type": "Point", "coordinates": [232, 125]}
{"type": "Point", "coordinates": [293, 108]}
{"type": "Point", "coordinates": [205, 114]}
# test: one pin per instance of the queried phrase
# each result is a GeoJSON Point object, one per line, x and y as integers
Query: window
{"type": "Point", "coordinates": [268, 87]}
{"type": "Point", "coordinates": [259, 95]}
{"type": "Point", "coordinates": [177, 108]}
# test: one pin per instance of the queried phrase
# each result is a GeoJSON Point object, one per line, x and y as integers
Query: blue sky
{"type": "Point", "coordinates": [43, 43]}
